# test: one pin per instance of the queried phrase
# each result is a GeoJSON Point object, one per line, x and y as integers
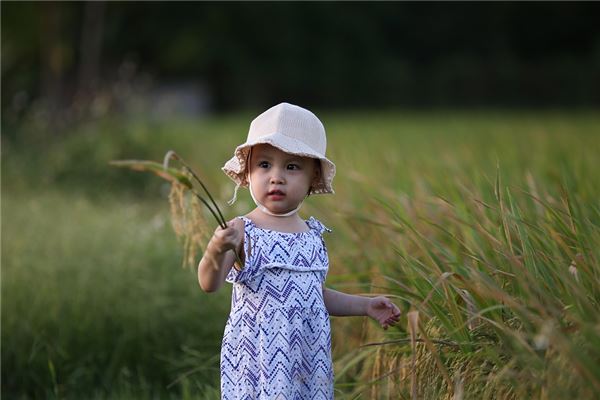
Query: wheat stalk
{"type": "Point", "coordinates": [184, 217]}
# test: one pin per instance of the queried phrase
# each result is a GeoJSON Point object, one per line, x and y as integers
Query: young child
{"type": "Point", "coordinates": [277, 341]}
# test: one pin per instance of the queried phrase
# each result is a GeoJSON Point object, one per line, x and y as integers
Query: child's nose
{"type": "Point", "coordinates": [277, 176]}
{"type": "Point", "coordinates": [277, 180]}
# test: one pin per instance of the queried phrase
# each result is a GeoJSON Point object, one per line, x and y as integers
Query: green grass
{"type": "Point", "coordinates": [94, 300]}
{"type": "Point", "coordinates": [471, 219]}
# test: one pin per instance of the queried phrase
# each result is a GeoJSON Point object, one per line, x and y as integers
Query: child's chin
{"type": "Point", "coordinates": [278, 208]}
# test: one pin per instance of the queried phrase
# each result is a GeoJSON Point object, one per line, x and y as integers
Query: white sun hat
{"type": "Point", "coordinates": [292, 129]}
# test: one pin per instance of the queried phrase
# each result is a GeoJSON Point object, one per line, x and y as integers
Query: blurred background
{"type": "Point", "coordinates": [81, 58]}
{"type": "Point", "coordinates": [94, 302]}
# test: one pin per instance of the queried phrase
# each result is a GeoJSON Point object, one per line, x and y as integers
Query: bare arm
{"type": "Point", "coordinates": [217, 259]}
{"type": "Point", "coordinates": [380, 308]}
{"type": "Point", "coordinates": [341, 304]}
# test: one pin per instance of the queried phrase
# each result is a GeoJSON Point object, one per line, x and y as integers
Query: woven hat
{"type": "Point", "coordinates": [292, 129]}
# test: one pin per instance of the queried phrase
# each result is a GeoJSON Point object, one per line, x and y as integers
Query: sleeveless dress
{"type": "Point", "coordinates": [277, 340]}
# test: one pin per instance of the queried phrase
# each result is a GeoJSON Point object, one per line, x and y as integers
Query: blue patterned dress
{"type": "Point", "coordinates": [277, 340]}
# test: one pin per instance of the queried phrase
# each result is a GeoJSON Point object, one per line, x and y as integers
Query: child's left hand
{"type": "Point", "coordinates": [382, 310]}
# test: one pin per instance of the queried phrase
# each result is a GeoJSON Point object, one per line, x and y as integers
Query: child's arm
{"type": "Point", "coordinates": [380, 308]}
{"type": "Point", "coordinates": [217, 259]}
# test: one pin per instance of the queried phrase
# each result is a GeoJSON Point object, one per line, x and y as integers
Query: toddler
{"type": "Point", "coordinates": [277, 341]}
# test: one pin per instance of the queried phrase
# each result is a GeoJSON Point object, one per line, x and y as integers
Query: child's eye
{"type": "Point", "coordinates": [263, 164]}
{"type": "Point", "coordinates": [293, 166]}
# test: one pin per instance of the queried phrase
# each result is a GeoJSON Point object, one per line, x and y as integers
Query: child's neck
{"type": "Point", "coordinates": [291, 223]}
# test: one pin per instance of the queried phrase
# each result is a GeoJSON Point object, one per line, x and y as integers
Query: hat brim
{"type": "Point", "coordinates": [235, 168]}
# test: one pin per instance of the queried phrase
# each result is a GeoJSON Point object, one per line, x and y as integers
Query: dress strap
{"type": "Point", "coordinates": [317, 225]}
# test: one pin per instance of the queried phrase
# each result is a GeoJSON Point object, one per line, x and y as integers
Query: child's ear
{"type": "Point", "coordinates": [316, 176]}
{"type": "Point", "coordinates": [247, 174]}
{"type": "Point", "coordinates": [317, 172]}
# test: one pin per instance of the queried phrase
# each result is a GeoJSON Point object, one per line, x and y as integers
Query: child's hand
{"type": "Point", "coordinates": [382, 310]}
{"type": "Point", "coordinates": [226, 239]}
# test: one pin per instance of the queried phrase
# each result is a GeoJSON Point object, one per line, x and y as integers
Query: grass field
{"type": "Point", "coordinates": [483, 226]}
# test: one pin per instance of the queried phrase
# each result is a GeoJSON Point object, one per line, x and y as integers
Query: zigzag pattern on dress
{"type": "Point", "coordinates": [277, 341]}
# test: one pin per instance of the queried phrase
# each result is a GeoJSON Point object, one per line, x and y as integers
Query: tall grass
{"type": "Point", "coordinates": [95, 304]}
{"type": "Point", "coordinates": [501, 281]}
{"type": "Point", "coordinates": [482, 226]}
{"type": "Point", "coordinates": [506, 293]}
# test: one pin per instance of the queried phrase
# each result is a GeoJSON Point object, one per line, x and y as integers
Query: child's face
{"type": "Point", "coordinates": [280, 181]}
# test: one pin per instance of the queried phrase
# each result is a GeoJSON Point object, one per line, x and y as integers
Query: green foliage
{"type": "Point", "coordinates": [344, 54]}
{"type": "Point", "coordinates": [485, 224]}
{"type": "Point", "coordinates": [94, 301]}
{"type": "Point", "coordinates": [501, 266]}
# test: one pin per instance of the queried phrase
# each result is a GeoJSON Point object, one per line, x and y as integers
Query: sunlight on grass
{"type": "Point", "coordinates": [484, 225]}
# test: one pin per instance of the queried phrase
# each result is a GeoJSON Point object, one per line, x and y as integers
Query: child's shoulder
{"type": "Point", "coordinates": [312, 223]}
{"type": "Point", "coordinates": [317, 225]}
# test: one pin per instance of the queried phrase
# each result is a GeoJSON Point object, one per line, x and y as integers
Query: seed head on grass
{"type": "Point", "coordinates": [186, 215]}
{"type": "Point", "coordinates": [188, 222]}
{"type": "Point", "coordinates": [503, 287]}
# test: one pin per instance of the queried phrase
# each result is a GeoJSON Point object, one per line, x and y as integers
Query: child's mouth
{"type": "Point", "coordinates": [276, 195]}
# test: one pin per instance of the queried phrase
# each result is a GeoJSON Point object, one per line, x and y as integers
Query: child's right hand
{"type": "Point", "coordinates": [226, 239]}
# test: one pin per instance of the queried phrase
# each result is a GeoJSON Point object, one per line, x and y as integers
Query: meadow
{"type": "Point", "coordinates": [483, 226]}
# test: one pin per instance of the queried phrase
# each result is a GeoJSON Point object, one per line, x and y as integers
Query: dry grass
{"type": "Point", "coordinates": [502, 270]}
{"type": "Point", "coordinates": [503, 289]}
